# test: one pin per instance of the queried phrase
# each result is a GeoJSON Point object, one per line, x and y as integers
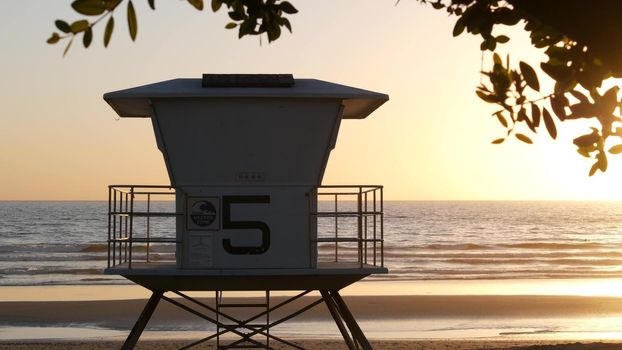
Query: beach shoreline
{"type": "Point", "coordinates": [525, 319]}
{"type": "Point", "coordinates": [410, 315]}
{"type": "Point", "coordinates": [323, 344]}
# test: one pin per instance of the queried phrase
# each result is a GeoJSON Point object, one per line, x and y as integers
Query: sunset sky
{"type": "Point", "coordinates": [59, 140]}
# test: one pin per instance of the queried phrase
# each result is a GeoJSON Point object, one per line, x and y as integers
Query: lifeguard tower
{"type": "Point", "coordinates": [245, 155]}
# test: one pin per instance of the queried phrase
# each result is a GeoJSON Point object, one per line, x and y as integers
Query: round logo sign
{"type": "Point", "coordinates": [203, 213]}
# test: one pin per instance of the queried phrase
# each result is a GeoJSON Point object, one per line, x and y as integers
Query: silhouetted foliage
{"type": "Point", "coordinates": [571, 34]}
{"type": "Point", "coordinates": [577, 36]}
{"type": "Point", "coordinates": [251, 17]}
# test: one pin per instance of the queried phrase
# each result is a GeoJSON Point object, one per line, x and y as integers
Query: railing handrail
{"type": "Point", "coordinates": [369, 217]}
{"type": "Point", "coordinates": [121, 214]}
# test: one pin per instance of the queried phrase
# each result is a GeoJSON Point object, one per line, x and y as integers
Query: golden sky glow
{"type": "Point", "coordinates": [60, 140]}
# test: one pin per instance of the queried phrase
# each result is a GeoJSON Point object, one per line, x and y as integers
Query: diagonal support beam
{"type": "Point", "coordinates": [243, 323]}
{"type": "Point", "coordinates": [281, 320]}
{"type": "Point", "coordinates": [207, 318]}
{"type": "Point", "coordinates": [142, 321]}
{"type": "Point", "coordinates": [334, 312]}
{"type": "Point", "coordinates": [352, 333]}
{"type": "Point", "coordinates": [357, 333]}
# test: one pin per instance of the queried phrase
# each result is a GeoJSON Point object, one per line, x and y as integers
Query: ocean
{"type": "Point", "coordinates": [64, 243]}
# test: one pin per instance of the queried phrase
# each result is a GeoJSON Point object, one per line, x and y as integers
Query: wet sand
{"type": "Point", "coordinates": [328, 344]}
{"type": "Point", "coordinates": [121, 314]}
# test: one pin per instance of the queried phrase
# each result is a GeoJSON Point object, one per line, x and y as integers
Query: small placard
{"type": "Point", "coordinates": [203, 213]}
{"type": "Point", "coordinates": [201, 250]}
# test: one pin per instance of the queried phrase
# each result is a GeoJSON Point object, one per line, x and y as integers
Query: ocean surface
{"type": "Point", "coordinates": [50, 243]}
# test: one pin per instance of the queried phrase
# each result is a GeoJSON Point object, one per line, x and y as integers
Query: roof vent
{"type": "Point", "coordinates": [247, 80]}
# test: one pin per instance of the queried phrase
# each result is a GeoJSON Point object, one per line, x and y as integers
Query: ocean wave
{"type": "Point", "coordinates": [456, 246]}
{"type": "Point", "coordinates": [51, 270]}
{"type": "Point", "coordinates": [531, 261]}
{"type": "Point", "coordinates": [559, 246]}
{"type": "Point", "coordinates": [398, 253]}
{"type": "Point", "coordinates": [51, 257]}
{"type": "Point", "coordinates": [92, 248]}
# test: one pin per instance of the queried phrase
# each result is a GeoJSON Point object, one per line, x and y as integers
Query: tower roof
{"type": "Point", "coordinates": [135, 102]}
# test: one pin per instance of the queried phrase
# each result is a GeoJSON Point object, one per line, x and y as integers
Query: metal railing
{"type": "Point", "coordinates": [359, 208]}
{"type": "Point", "coordinates": [128, 203]}
{"type": "Point", "coordinates": [349, 222]}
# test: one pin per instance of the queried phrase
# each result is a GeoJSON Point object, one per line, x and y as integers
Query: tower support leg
{"type": "Point", "coordinates": [334, 312]}
{"type": "Point", "coordinates": [142, 321]}
{"type": "Point", "coordinates": [352, 334]}
{"type": "Point", "coordinates": [356, 331]}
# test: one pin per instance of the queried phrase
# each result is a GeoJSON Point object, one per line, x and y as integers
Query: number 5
{"type": "Point", "coordinates": [228, 224]}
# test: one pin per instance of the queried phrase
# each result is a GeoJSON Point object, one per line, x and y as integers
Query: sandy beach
{"type": "Point", "coordinates": [379, 312]}
{"type": "Point", "coordinates": [121, 314]}
{"type": "Point", "coordinates": [330, 344]}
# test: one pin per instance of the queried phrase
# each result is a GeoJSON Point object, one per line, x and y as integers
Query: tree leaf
{"type": "Point", "coordinates": [582, 110]}
{"type": "Point", "coordinates": [79, 26]}
{"type": "Point", "coordinates": [274, 34]}
{"type": "Point", "coordinates": [108, 31]}
{"type": "Point", "coordinates": [602, 161]}
{"type": "Point", "coordinates": [609, 100]}
{"type": "Point", "coordinates": [245, 28]}
{"type": "Point", "coordinates": [579, 96]}
{"type": "Point", "coordinates": [530, 76]}
{"type": "Point", "coordinates": [559, 103]}
{"type": "Point", "coordinates": [216, 4]}
{"type": "Point", "coordinates": [522, 116]}
{"type": "Point", "coordinates": [287, 24]}
{"type": "Point", "coordinates": [89, 7]}
{"type": "Point", "coordinates": [231, 25]}
{"type": "Point", "coordinates": [523, 138]}
{"type": "Point", "coordinates": [490, 98]}
{"type": "Point", "coordinates": [458, 27]}
{"type": "Point", "coordinates": [549, 123]}
{"type": "Point", "coordinates": [617, 149]}
{"type": "Point", "coordinates": [502, 39]}
{"type": "Point", "coordinates": [502, 120]}
{"type": "Point", "coordinates": [535, 115]}
{"type": "Point", "coordinates": [496, 59]}
{"type": "Point", "coordinates": [62, 26]}
{"type": "Point", "coordinates": [593, 169]}
{"type": "Point", "coordinates": [132, 23]}
{"type": "Point", "coordinates": [498, 141]}
{"type": "Point", "coordinates": [198, 4]}
{"type": "Point", "coordinates": [152, 4]}
{"type": "Point", "coordinates": [287, 7]}
{"type": "Point", "coordinates": [87, 37]}
{"type": "Point", "coordinates": [586, 140]}
{"type": "Point", "coordinates": [53, 39]}
{"type": "Point", "coordinates": [112, 4]}
{"type": "Point", "coordinates": [236, 16]}
{"type": "Point", "coordinates": [583, 152]}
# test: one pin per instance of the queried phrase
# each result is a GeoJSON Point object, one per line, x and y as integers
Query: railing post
{"type": "Point", "coordinates": [109, 216]}
{"type": "Point", "coordinates": [336, 230]}
{"type": "Point", "coordinates": [148, 217]}
{"type": "Point", "coordinates": [381, 227]}
{"type": "Point", "coordinates": [365, 228]}
{"type": "Point", "coordinates": [125, 226]}
{"type": "Point", "coordinates": [375, 216]}
{"type": "Point", "coordinates": [114, 228]}
{"type": "Point", "coordinates": [360, 226]}
{"type": "Point", "coordinates": [131, 224]}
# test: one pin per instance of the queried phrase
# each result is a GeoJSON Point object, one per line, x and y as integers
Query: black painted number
{"type": "Point", "coordinates": [228, 224]}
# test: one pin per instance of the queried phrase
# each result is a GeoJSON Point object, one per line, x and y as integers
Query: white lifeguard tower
{"type": "Point", "coordinates": [245, 156]}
